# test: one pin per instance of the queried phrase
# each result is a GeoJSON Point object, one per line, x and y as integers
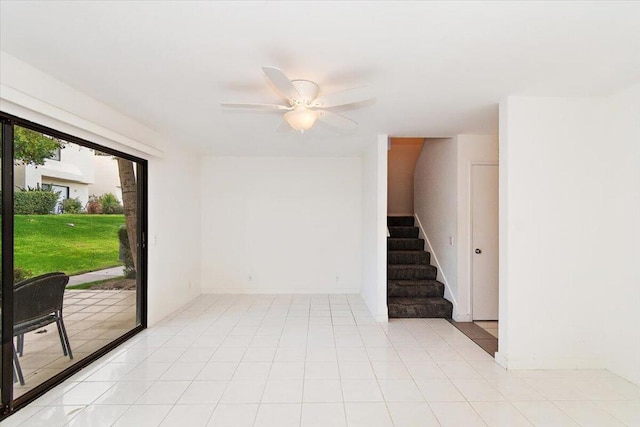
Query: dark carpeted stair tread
{"type": "Point", "coordinates": [415, 288]}
{"type": "Point", "coordinates": [410, 266]}
{"type": "Point", "coordinates": [413, 282]}
{"type": "Point", "coordinates": [412, 288]}
{"type": "Point", "coordinates": [419, 307]}
{"type": "Point", "coordinates": [400, 221]}
{"type": "Point", "coordinates": [404, 244]}
{"type": "Point", "coordinates": [411, 272]}
{"type": "Point", "coordinates": [418, 301]}
{"type": "Point", "coordinates": [406, 232]}
{"type": "Point", "coordinates": [408, 257]}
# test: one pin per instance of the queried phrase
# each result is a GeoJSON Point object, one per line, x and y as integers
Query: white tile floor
{"type": "Point", "coordinates": [319, 361]}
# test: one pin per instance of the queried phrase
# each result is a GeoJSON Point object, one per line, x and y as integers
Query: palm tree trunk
{"type": "Point", "coordinates": [129, 203]}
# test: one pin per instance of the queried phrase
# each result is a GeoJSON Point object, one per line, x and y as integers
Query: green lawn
{"type": "Point", "coordinates": [46, 243]}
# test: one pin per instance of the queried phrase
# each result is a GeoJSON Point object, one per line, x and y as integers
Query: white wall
{"type": "Point", "coordinates": [174, 221]}
{"type": "Point", "coordinates": [289, 225]}
{"type": "Point", "coordinates": [175, 210]}
{"type": "Point", "coordinates": [569, 227]}
{"type": "Point", "coordinates": [471, 149]}
{"type": "Point", "coordinates": [620, 193]}
{"type": "Point", "coordinates": [374, 228]}
{"type": "Point", "coordinates": [442, 195]}
{"type": "Point", "coordinates": [435, 205]}
{"type": "Point", "coordinates": [552, 249]}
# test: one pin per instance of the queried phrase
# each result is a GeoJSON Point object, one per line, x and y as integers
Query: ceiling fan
{"type": "Point", "coordinates": [305, 106]}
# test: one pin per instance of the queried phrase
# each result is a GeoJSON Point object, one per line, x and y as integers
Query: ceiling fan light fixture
{"type": "Point", "coordinates": [304, 107]}
{"type": "Point", "coordinates": [301, 118]}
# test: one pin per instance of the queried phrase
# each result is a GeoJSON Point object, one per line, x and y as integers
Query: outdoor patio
{"type": "Point", "coordinates": [93, 318]}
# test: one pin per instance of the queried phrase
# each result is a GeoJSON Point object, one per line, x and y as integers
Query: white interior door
{"type": "Point", "coordinates": [484, 230]}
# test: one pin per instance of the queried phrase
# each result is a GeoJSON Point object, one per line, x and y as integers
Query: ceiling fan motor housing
{"type": "Point", "coordinates": [308, 91]}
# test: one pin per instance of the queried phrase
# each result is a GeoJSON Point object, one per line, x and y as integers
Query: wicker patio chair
{"type": "Point", "coordinates": [38, 302]}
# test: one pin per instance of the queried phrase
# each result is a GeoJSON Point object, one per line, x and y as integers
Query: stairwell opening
{"type": "Point", "coordinates": [429, 254]}
{"type": "Point", "coordinates": [412, 286]}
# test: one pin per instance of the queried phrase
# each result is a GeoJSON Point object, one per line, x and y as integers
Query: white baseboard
{"type": "Point", "coordinates": [501, 360]}
{"type": "Point", "coordinates": [447, 289]}
{"type": "Point", "coordinates": [382, 318]}
{"type": "Point", "coordinates": [555, 363]}
{"type": "Point", "coordinates": [153, 321]}
{"type": "Point", "coordinates": [529, 363]}
{"type": "Point", "coordinates": [461, 317]}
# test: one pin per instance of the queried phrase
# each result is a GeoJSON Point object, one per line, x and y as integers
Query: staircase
{"type": "Point", "coordinates": [412, 288]}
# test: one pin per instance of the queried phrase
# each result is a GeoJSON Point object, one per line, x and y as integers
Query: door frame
{"type": "Point", "coordinates": [8, 405]}
{"type": "Point", "coordinates": [470, 236]}
{"type": "Point", "coordinates": [59, 204]}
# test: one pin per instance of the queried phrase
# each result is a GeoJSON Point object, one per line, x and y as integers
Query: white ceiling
{"type": "Point", "coordinates": [437, 68]}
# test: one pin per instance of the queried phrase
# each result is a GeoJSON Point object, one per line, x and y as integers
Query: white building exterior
{"type": "Point", "coordinates": [106, 175]}
{"type": "Point", "coordinates": [77, 173]}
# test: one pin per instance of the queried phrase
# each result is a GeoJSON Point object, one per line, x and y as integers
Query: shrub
{"type": "Point", "coordinates": [110, 204]}
{"type": "Point", "coordinates": [93, 205]}
{"type": "Point", "coordinates": [125, 253]}
{"type": "Point", "coordinates": [34, 201]}
{"type": "Point", "coordinates": [72, 206]}
{"type": "Point", "coordinates": [20, 274]}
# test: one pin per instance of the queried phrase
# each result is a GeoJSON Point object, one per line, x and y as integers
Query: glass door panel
{"type": "Point", "coordinates": [76, 227]}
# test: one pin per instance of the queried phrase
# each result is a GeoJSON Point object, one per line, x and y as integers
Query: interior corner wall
{"type": "Point", "coordinates": [174, 256]}
{"type": "Point", "coordinates": [174, 231]}
{"type": "Point", "coordinates": [503, 242]}
{"type": "Point", "coordinates": [374, 227]}
{"type": "Point", "coordinates": [620, 231]}
{"type": "Point", "coordinates": [471, 149]}
{"type": "Point", "coordinates": [281, 224]}
{"type": "Point", "coordinates": [401, 164]}
{"type": "Point", "coordinates": [570, 209]}
{"type": "Point", "coordinates": [435, 205]}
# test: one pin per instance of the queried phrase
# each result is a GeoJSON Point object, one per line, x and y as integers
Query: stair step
{"type": "Point", "coordinates": [419, 307]}
{"type": "Point", "coordinates": [404, 232]}
{"type": "Point", "coordinates": [400, 221]}
{"type": "Point", "coordinates": [415, 288]}
{"type": "Point", "coordinates": [412, 288]}
{"type": "Point", "coordinates": [408, 257]}
{"type": "Point", "coordinates": [411, 272]}
{"type": "Point", "coordinates": [404, 244]}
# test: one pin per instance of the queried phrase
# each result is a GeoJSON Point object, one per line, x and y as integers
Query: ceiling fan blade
{"type": "Point", "coordinates": [336, 120]}
{"type": "Point", "coordinates": [344, 97]}
{"type": "Point", "coordinates": [257, 106]}
{"type": "Point", "coordinates": [281, 82]}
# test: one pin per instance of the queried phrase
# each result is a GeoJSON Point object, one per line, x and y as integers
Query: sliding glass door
{"type": "Point", "coordinates": [74, 259]}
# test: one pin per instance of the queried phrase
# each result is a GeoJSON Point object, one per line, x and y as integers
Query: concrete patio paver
{"type": "Point", "coordinates": [93, 318]}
